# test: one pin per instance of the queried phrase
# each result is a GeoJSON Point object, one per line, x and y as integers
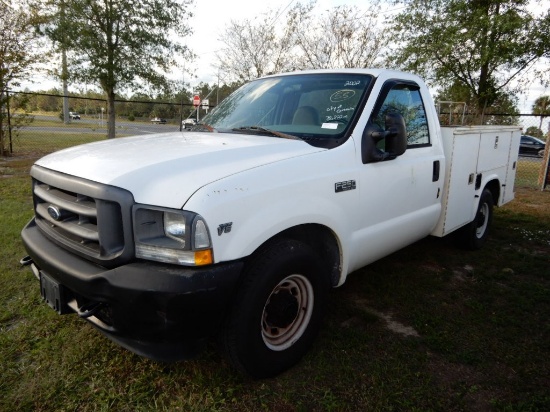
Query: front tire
{"type": "Point", "coordinates": [474, 235]}
{"type": "Point", "coordinates": [278, 310]}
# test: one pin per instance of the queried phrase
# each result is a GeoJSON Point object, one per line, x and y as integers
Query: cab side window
{"type": "Point", "coordinates": [405, 99]}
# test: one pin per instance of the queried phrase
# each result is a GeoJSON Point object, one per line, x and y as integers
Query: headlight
{"type": "Point", "coordinates": [175, 226]}
{"type": "Point", "coordinates": [171, 236]}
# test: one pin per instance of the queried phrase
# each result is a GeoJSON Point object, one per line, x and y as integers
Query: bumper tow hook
{"type": "Point", "coordinates": [26, 261]}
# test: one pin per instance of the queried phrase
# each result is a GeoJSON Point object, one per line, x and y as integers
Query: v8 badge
{"type": "Point", "coordinates": [224, 228]}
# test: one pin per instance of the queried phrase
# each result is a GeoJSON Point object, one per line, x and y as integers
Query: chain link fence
{"type": "Point", "coordinates": [33, 125]}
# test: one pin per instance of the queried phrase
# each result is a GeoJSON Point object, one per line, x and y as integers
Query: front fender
{"type": "Point", "coordinates": [259, 204]}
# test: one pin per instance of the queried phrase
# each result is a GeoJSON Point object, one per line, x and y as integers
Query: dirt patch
{"type": "Point", "coordinates": [391, 324]}
{"type": "Point", "coordinates": [396, 326]}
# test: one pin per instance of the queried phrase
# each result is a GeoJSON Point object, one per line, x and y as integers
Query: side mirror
{"type": "Point", "coordinates": [395, 135]}
{"type": "Point", "coordinates": [396, 141]}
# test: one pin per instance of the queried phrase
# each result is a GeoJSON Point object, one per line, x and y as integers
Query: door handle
{"type": "Point", "coordinates": [435, 175]}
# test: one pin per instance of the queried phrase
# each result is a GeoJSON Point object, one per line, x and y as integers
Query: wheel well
{"type": "Point", "coordinates": [494, 188]}
{"type": "Point", "coordinates": [323, 242]}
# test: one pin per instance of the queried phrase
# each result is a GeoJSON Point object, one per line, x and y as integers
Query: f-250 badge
{"type": "Point", "coordinates": [224, 228]}
{"type": "Point", "coordinates": [343, 186]}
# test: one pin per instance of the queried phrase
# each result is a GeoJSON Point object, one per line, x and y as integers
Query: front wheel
{"type": "Point", "coordinates": [278, 310]}
{"type": "Point", "coordinates": [474, 235]}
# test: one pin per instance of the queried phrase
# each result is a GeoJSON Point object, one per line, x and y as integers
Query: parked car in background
{"type": "Point", "coordinates": [158, 120]}
{"type": "Point", "coordinates": [530, 145]}
{"type": "Point", "coordinates": [74, 116]}
{"type": "Point", "coordinates": [188, 123]}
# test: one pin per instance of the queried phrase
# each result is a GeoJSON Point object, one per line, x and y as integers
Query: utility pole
{"type": "Point", "coordinates": [64, 75]}
{"type": "Point", "coordinates": [182, 96]}
{"type": "Point", "coordinates": [64, 71]}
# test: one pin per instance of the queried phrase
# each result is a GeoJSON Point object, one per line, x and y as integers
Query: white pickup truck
{"type": "Point", "coordinates": [239, 228]}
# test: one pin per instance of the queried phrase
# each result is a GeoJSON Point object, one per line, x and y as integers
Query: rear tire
{"type": "Point", "coordinates": [278, 310]}
{"type": "Point", "coordinates": [474, 235]}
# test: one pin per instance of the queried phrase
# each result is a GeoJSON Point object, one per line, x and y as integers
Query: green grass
{"type": "Point", "coordinates": [36, 143]}
{"type": "Point", "coordinates": [481, 318]}
{"type": "Point", "coordinates": [527, 174]}
{"type": "Point", "coordinates": [75, 124]}
{"type": "Point", "coordinates": [48, 143]}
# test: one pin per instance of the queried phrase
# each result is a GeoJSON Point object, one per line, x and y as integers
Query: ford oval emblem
{"type": "Point", "coordinates": [54, 212]}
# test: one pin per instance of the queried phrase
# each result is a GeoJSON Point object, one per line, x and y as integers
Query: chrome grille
{"type": "Point", "coordinates": [90, 219]}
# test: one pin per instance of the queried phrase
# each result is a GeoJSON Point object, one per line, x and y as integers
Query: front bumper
{"type": "Point", "coordinates": [157, 310]}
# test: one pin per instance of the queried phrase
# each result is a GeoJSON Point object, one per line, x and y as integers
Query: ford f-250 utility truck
{"type": "Point", "coordinates": [238, 228]}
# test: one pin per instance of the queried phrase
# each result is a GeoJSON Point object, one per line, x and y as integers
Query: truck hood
{"type": "Point", "coordinates": [166, 169]}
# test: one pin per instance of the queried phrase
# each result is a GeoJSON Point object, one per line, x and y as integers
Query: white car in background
{"type": "Point", "coordinates": [188, 123]}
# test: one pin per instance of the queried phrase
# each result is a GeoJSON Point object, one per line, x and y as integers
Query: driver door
{"type": "Point", "coordinates": [399, 197]}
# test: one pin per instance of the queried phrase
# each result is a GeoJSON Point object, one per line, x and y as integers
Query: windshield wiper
{"type": "Point", "coordinates": [263, 130]}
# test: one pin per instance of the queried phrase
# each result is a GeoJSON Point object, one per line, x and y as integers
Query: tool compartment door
{"type": "Point", "coordinates": [461, 151]}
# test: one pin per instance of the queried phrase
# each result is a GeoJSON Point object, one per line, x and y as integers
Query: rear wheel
{"type": "Point", "coordinates": [278, 310]}
{"type": "Point", "coordinates": [474, 235]}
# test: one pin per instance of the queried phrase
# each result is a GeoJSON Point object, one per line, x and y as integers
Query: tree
{"type": "Point", "coordinates": [504, 109]}
{"type": "Point", "coordinates": [541, 107]}
{"type": "Point", "coordinates": [47, 101]}
{"type": "Point", "coordinates": [137, 109]}
{"type": "Point", "coordinates": [255, 48]}
{"type": "Point", "coordinates": [535, 132]}
{"type": "Point", "coordinates": [345, 36]}
{"type": "Point", "coordinates": [484, 45]}
{"type": "Point", "coordinates": [121, 44]}
{"type": "Point", "coordinates": [18, 55]}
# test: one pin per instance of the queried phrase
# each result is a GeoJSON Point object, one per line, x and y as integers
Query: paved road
{"type": "Point", "coordinates": [91, 125]}
{"type": "Point", "coordinates": [534, 159]}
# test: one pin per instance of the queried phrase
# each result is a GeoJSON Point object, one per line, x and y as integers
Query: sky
{"type": "Point", "coordinates": [210, 17]}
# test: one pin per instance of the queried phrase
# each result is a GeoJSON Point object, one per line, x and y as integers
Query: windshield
{"type": "Point", "coordinates": [308, 106]}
